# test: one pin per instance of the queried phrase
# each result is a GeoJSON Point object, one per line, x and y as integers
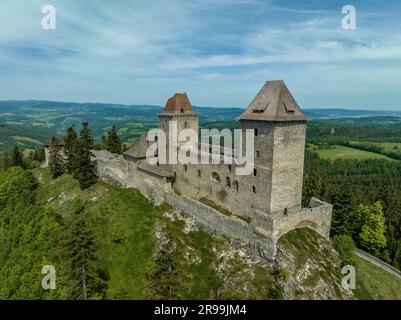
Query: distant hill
{"type": "Point", "coordinates": [327, 113]}
{"type": "Point", "coordinates": [30, 123]}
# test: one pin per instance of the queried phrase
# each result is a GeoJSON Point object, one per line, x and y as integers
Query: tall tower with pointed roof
{"type": "Point", "coordinates": [178, 108]}
{"type": "Point", "coordinates": [280, 129]}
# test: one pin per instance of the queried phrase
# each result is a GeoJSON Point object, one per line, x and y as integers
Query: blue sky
{"type": "Point", "coordinates": [219, 51]}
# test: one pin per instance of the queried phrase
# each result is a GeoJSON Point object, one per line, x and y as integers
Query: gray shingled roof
{"type": "Point", "coordinates": [274, 102]}
{"type": "Point", "coordinates": [138, 150]}
{"type": "Point", "coordinates": [163, 171]}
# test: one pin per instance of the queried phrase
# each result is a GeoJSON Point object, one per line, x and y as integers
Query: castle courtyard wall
{"type": "Point", "coordinates": [262, 230]}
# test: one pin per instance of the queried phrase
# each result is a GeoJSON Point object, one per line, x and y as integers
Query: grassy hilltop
{"type": "Point", "coordinates": [143, 251]}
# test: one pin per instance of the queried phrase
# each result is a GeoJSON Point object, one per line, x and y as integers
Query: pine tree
{"type": "Point", "coordinates": [56, 160]}
{"type": "Point", "coordinates": [39, 155]}
{"type": "Point", "coordinates": [397, 256]}
{"type": "Point", "coordinates": [71, 150]}
{"type": "Point", "coordinates": [314, 185]}
{"type": "Point", "coordinates": [113, 141]}
{"type": "Point", "coordinates": [373, 230]}
{"type": "Point", "coordinates": [6, 160]}
{"type": "Point", "coordinates": [17, 158]}
{"type": "Point", "coordinates": [103, 142]}
{"type": "Point", "coordinates": [85, 136]}
{"type": "Point", "coordinates": [85, 171]}
{"type": "Point", "coordinates": [343, 206]}
{"type": "Point", "coordinates": [87, 281]}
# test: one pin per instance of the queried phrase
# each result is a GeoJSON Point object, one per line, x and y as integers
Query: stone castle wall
{"type": "Point", "coordinates": [116, 170]}
{"type": "Point", "coordinates": [261, 230]}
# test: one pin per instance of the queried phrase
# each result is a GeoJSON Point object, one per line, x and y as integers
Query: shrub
{"type": "Point", "coordinates": [345, 246]}
{"type": "Point", "coordinates": [281, 274]}
{"type": "Point", "coordinates": [118, 235]}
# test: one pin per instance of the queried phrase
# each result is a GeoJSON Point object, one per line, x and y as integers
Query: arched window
{"type": "Point", "coordinates": [254, 172]}
{"type": "Point", "coordinates": [182, 110]}
{"type": "Point", "coordinates": [229, 168]}
{"type": "Point", "coordinates": [185, 124]}
{"type": "Point", "coordinates": [158, 164]}
{"type": "Point", "coordinates": [216, 177]}
{"type": "Point", "coordinates": [253, 189]}
{"type": "Point", "coordinates": [228, 182]}
{"type": "Point", "coordinates": [185, 168]}
{"type": "Point", "coordinates": [236, 185]}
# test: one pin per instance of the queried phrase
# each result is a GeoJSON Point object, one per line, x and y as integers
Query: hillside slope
{"type": "Point", "coordinates": [143, 251]}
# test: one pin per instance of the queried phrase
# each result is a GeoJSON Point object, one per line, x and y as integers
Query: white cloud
{"type": "Point", "coordinates": [137, 51]}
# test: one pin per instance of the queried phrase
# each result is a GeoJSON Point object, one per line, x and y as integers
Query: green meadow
{"type": "Point", "coordinates": [342, 152]}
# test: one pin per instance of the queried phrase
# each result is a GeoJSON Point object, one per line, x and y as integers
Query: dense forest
{"type": "Point", "coordinates": [366, 193]}
{"type": "Point", "coordinates": [366, 198]}
{"type": "Point", "coordinates": [360, 191]}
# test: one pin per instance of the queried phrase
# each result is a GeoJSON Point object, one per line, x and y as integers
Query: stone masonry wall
{"type": "Point", "coordinates": [262, 231]}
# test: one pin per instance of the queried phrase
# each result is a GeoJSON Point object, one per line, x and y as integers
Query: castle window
{"type": "Point", "coordinates": [182, 110]}
{"type": "Point", "coordinates": [156, 137]}
{"type": "Point", "coordinates": [285, 211]}
{"type": "Point", "coordinates": [229, 168]}
{"type": "Point", "coordinates": [256, 132]}
{"type": "Point", "coordinates": [228, 182]}
{"type": "Point", "coordinates": [257, 154]}
{"type": "Point", "coordinates": [254, 172]}
{"type": "Point", "coordinates": [158, 164]}
{"type": "Point", "coordinates": [185, 125]}
{"type": "Point", "coordinates": [199, 173]}
{"type": "Point", "coordinates": [253, 189]}
{"type": "Point", "coordinates": [216, 177]}
{"type": "Point", "coordinates": [185, 168]}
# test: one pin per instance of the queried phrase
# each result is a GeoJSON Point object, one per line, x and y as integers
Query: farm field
{"type": "Point", "coordinates": [341, 152]}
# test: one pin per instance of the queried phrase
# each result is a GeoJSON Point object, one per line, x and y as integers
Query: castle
{"type": "Point", "coordinates": [260, 207]}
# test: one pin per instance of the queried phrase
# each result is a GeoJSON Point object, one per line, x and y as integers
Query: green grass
{"type": "Point", "coordinates": [341, 152]}
{"type": "Point", "coordinates": [373, 283]}
{"type": "Point", "coordinates": [389, 146]}
{"type": "Point", "coordinates": [108, 210]}
{"type": "Point", "coordinates": [26, 139]}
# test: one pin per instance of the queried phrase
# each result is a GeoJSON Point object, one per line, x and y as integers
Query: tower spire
{"type": "Point", "coordinates": [274, 102]}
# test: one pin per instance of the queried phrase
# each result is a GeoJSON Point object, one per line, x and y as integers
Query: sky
{"type": "Point", "coordinates": [218, 51]}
